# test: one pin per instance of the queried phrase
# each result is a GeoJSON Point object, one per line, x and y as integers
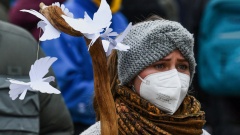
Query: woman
{"type": "Point", "coordinates": [150, 81]}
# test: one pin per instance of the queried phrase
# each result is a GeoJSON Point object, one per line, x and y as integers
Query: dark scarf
{"type": "Point", "coordinates": [137, 116]}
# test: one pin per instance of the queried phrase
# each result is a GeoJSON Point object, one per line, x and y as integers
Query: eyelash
{"type": "Point", "coordinates": [161, 66]}
{"type": "Point", "coordinates": [158, 65]}
{"type": "Point", "coordinates": [182, 67]}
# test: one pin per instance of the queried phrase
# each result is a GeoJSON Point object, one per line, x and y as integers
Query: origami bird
{"type": "Point", "coordinates": [37, 83]}
{"type": "Point", "coordinates": [92, 28]}
{"type": "Point", "coordinates": [64, 9]}
{"type": "Point", "coordinates": [108, 33]}
{"type": "Point", "coordinates": [109, 43]}
{"type": "Point", "coordinates": [49, 32]}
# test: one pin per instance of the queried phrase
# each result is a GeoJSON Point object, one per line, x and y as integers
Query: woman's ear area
{"type": "Point", "coordinates": [136, 82]}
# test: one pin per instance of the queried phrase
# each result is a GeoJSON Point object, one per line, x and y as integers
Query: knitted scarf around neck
{"type": "Point", "coordinates": [137, 116]}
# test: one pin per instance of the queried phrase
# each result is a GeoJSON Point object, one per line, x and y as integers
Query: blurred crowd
{"type": "Point", "coordinates": [215, 25]}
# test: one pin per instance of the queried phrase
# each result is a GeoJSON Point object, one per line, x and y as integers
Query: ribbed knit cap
{"type": "Point", "coordinates": [151, 41]}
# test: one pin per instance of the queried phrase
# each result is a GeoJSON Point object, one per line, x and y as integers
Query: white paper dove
{"type": "Point", "coordinates": [64, 9]}
{"type": "Point", "coordinates": [109, 43]}
{"type": "Point", "coordinates": [37, 83]}
{"type": "Point", "coordinates": [92, 28]}
{"type": "Point", "coordinates": [108, 33]}
{"type": "Point", "coordinates": [49, 32]}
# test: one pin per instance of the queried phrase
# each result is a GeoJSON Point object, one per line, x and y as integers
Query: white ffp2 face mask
{"type": "Point", "coordinates": [166, 89]}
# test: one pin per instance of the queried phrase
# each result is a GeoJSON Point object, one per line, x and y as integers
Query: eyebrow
{"type": "Point", "coordinates": [165, 59]}
{"type": "Point", "coordinates": [182, 60]}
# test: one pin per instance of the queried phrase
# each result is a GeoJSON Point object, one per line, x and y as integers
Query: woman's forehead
{"type": "Point", "coordinates": [174, 54]}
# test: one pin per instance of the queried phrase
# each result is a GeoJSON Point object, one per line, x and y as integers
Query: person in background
{"type": "Point", "coordinates": [137, 10]}
{"type": "Point", "coordinates": [3, 12]}
{"type": "Point", "coordinates": [6, 4]}
{"type": "Point", "coordinates": [38, 113]}
{"type": "Point", "coordinates": [150, 82]}
{"type": "Point", "coordinates": [218, 55]}
{"type": "Point", "coordinates": [73, 69]}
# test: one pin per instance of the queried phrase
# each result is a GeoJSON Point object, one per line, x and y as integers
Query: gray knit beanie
{"type": "Point", "coordinates": [151, 41]}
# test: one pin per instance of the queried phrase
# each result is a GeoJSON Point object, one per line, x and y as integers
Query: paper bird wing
{"type": "Point", "coordinates": [93, 38]}
{"type": "Point", "coordinates": [18, 87]}
{"type": "Point", "coordinates": [103, 15]}
{"type": "Point", "coordinates": [77, 24]}
{"type": "Point", "coordinates": [42, 25]}
{"type": "Point", "coordinates": [56, 4]}
{"type": "Point", "coordinates": [122, 47]}
{"type": "Point", "coordinates": [40, 68]}
{"type": "Point", "coordinates": [44, 87]}
{"type": "Point", "coordinates": [87, 26]}
{"type": "Point", "coordinates": [108, 32]}
{"type": "Point", "coordinates": [34, 12]}
{"type": "Point", "coordinates": [14, 93]}
{"type": "Point", "coordinates": [105, 44]}
{"type": "Point", "coordinates": [22, 96]}
{"type": "Point", "coordinates": [49, 31]}
{"type": "Point", "coordinates": [91, 26]}
{"type": "Point", "coordinates": [110, 48]}
{"type": "Point", "coordinates": [64, 9]}
{"type": "Point", "coordinates": [124, 33]}
{"type": "Point", "coordinates": [48, 79]}
{"type": "Point", "coordinates": [87, 18]}
{"type": "Point", "coordinates": [17, 82]}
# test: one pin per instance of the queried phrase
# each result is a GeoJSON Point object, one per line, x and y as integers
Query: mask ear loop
{"type": "Point", "coordinates": [144, 81]}
{"type": "Point", "coordinates": [133, 88]}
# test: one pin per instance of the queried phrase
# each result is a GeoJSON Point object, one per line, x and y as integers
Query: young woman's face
{"type": "Point", "coordinates": [174, 60]}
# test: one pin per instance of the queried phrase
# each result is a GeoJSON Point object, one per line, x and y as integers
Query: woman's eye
{"type": "Point", "coordinates": [182, 67]}
{"type": "Point", "coordinates": [159, 66]}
